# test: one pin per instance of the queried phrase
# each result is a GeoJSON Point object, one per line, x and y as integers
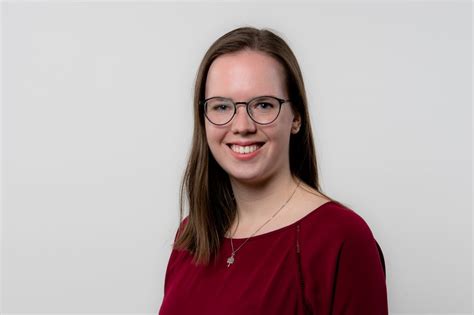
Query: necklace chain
{"type": "Point", "coordinates": [231, 259]}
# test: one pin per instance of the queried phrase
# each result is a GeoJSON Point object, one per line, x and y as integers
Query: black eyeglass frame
{"type": "Point", "coordinates": [280, 101]}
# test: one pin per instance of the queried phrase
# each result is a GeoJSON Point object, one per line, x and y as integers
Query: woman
{"type": "Point", "coordinates": [261, 237]}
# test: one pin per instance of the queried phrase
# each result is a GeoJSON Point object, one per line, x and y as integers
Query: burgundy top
{"type": "Point", "coordinates": [327, 262]}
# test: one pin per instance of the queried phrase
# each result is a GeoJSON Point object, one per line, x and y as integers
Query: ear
{"type": "Point", "coordinates": [296, 124]}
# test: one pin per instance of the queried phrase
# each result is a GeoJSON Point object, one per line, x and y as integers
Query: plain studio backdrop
{"type": "Point", "coordinates": [97, 122]}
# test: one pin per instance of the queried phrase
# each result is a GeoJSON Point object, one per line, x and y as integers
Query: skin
{"type": "Point", "coordinates": [262, 184]}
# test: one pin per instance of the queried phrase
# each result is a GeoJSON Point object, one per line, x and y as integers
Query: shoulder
{"type": "Point", "coordinates": [341, 258]}
{"type": "Point", "coordinates": [335, 230]}
{"type": "Point", "coordinates": [185, 220]}
{"type": "Point", "coordinates": [332, 217]}
{"type": "Point", "coordinates": [181, 227]}
{"type": "Point", "coordinates": [337, 222]}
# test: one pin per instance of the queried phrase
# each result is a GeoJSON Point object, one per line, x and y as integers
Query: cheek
{"type": "Point", "coordinates": [283, 137]}
{"type": "Point", "coordinates": [288, 117]}
{"type": "Point", "coordinates": [214, 136]}
{"type": "Point", "coordinates": [283, 132]}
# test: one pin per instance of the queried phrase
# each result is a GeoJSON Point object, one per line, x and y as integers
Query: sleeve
{"type": "Point", "coordinates": [170, 261]}
{"type": "Point", "coordinates": [359, 283]}
{"type": "Point", "coordinates": [173, 253]}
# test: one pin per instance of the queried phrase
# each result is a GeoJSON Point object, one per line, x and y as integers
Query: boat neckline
{"type": "Point", "coordinates": [284, 227]}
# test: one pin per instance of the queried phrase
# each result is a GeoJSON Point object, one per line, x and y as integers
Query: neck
{"type": "Point", "coordinates": [258, 202]}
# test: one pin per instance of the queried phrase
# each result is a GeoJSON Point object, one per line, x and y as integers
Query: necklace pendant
{"type": "Point", "coordinates": [230, 260]}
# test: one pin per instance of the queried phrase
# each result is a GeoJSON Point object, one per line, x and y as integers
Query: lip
{"type": "Point", "coordinates": [243, 156]}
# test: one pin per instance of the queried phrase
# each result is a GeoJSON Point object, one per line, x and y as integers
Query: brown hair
{"type": "Point", "coordinates": [205, 184]}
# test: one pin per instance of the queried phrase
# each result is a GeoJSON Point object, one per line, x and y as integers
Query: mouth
{"type": "Point", "coordinates": [245, 149]}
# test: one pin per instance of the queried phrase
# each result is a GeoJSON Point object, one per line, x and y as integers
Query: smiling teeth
{"type": "Point", "coordinates": [245, 149]}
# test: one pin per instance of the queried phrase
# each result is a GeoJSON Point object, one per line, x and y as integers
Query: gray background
{"type": "Point", "coordinates": [96, 127]}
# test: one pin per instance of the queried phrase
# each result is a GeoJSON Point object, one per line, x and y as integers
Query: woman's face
{"type": "Point", "coordinates": [242, 76]}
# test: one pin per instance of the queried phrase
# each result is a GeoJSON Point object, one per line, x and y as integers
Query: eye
{"type": "Point", "coordinates": [264, 105]}
{"type": "Point", "coordinates": [220, 107]}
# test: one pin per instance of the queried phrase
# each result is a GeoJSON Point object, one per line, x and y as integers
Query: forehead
{"type": "Point", "coordinates": [244, 75]}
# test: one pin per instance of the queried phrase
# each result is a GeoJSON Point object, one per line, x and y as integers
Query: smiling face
{"type": "Point", "coordinates": [247, 151]}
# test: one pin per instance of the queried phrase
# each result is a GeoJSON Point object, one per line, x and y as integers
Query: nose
{"type": "Point", "coordinates": [242, 123]}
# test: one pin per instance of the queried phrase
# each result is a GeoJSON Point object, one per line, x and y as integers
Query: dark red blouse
{"type": "Point", "coordinates": [328, 262]}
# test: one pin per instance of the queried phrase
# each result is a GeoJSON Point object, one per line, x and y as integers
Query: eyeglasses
{"type": "Point", "coordinates": [262, 109]}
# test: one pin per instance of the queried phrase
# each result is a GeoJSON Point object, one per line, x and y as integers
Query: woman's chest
{"type": "Point", "coordinates": [262, 280]}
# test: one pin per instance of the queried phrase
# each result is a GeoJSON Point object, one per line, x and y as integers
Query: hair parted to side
{"type": "Point", "coordinates": [205, 185]}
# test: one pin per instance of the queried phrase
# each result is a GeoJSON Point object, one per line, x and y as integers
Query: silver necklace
{"type": "Point", "coordinates": [231, 258]}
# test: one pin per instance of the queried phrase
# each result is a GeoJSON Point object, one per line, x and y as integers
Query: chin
{"type": "Point", "coordinates": [247, 178]}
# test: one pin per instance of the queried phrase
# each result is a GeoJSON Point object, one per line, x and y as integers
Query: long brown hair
{"type": "Point", "coordinates": [205, 185]}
